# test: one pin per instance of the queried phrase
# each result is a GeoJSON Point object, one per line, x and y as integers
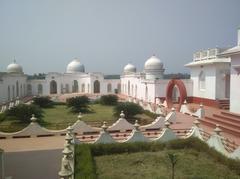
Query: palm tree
{"type": "Point", "coordinates": [173, 159]}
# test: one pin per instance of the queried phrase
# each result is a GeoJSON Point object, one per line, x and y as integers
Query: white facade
{"type": "Point", "coordinates": [210, 73]}
{"type": "Point", "coordinates": [149, 84]}
{"type": "Point", "coordinates": [14, 83]}
{"type": "Point", "coordinates": [234, 54]}
{"type": "Point", "coordinates": [214, 76]}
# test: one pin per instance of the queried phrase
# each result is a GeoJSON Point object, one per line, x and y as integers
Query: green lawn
{"type": "Point", "coordinates": [59, 117]}
{"type": "Point", "coordinates": [143, 165]}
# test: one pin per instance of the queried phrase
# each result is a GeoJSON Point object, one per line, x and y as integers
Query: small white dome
{"type": "Point", "coordinates": [129, 68]}
{"type": "Point", "coordinates": [75, 66]}
{"type": "Point", "coordinates": [14, 68]}
{"type": "Point", "coordinates": [153, 63]}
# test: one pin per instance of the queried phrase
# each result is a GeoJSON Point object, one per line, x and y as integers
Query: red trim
{"type": "Point", "coordinates": [182, 91]}
{"type": "Point", "coordinates": [204, 101]}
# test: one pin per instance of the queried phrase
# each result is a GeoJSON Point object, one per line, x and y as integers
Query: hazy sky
{"type": "Point", "coordinates": [45, 35]}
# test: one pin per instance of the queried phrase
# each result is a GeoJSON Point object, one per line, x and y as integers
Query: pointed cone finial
{"type": "Point", "coordinates": [33, 118]}
{"type": "Point", "coordinates": [167, 124]}
{"type": "Point", "coordinates": [122, 115]}
{"type": "Point", "coordinates": [173, 109]}
{"type": "Point", "coordinates": [196, 122]}
{"type": "Point", "coordinates": [217, 130]}
{"type": "Point", "coordinates": [79, 116]}
{"type": "Point", "coordinates": [201, 105]}
{"type": "Point", "coordinates": [136, 125]}
{"type": "Point", "coordinates": [104, 126]}
{"type": "Point", "coordinates": [185, 101]}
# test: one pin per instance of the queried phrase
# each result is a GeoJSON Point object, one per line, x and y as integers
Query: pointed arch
{"type": "Point", "coordinates": [40, 89]}
{"type": "Point", "coordinates": [109, 87]}
{"type": "Point", "coordinates": [17, 89]}
{"type": "Point", "coordinates": [202, 80]}
{"type": "Point", "coordinates": [96, 86]}
{"type": "Point", "coordinates": [29, 89]}
{"type": "Point", "coordinates": [75, 86]}
{"type": "Point", "coordinates": [53, 87]}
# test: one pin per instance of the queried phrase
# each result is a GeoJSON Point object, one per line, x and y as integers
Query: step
{"type": "Point", "coordinates": [234, 120]}
{"type": "Point", "coordinates": [224, 128]}
{"type": "Point", "coordinates": [223, 123]}
{"type": "Point", "coordinates": [237, 116]}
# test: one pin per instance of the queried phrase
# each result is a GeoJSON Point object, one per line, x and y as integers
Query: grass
{"type": "Point", "coordinates": [59, 117]}
{"type": "Point", "coordinates": [191, 164]}
{"type": "Point", "coordinates": [196, 160]}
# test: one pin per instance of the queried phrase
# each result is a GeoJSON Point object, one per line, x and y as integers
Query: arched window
{"type": "Point", "coordinates": [96, 86]}
{"type": "Point", "coordinates": [83, 88]}
{"type": "Point", "coordinates": [132, 90]}
{"type": "Point", "coordinates": [119, 88]}
{"type": "Point", "coordinates": [146, 93]}
{"type": "Point", "coordinates": [29, 89]}
{"type": "Point", "coordinates": [128, 87]}
{"type": "Point", "coordinates": [17, 89]}
{"type": "Point", "coordinates": [40, 89]}
{"type": "Point", "coordinates": [9, 93]}
{"type": "Point", "coordinates": [24, 89]}
{"type": "Point", "coordinates": [109, 88]}
{"type": "Point", "coordinates": [53, 87]}
{"type": "Point", "coordinates": [21, 90]}
{"type": "Point", "coordinates": [135, 91]}
{"type": "Point", "coordinates": [75, 86]}
{"type": "Point", "coordinates": [67, 88]}
{"type": "Point", "coordinates": [62, 89]}
{"type": "Point", "coordinates": [202, 81]}
{"type": "Point", "coordinates": [13, 91]}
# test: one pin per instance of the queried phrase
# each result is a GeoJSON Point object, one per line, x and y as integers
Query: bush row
{"type": "Point", "coordinates": [85, 166]}
{"type": "Point", "coordinates": [84, 162]}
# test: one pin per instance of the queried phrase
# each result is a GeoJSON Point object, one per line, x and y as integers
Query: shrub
{"type": "Point", "coordinates": [109, 99]}
{"type": "Point", "coordinates": [130, 109]}
{"type": "Point", "coordinates": [84, 162]}
{"type": "Point", "coordinates": [2, 116]}
{"type": "Point", "coordinates": [78, 104]}
{"type": "Point", "coordinates": [150, 114]}
{"type": "Point", "coordinates": [43, 101]}
{"type": "Point", "coordinates": [23, 112]}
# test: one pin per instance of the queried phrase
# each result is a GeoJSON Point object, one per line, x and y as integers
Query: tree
{"type": "Point", "coordinates": [108, 99]}
{"type": "Point", "coordinates": [130, 109]}
{"type": "Point", "coordinates": [43, 101]}
{"type": "Point", "coordinates": [78, 104]}
{"type": "Point", "coordinates": [173, 160]}
{"type": "Point", "coordinates": [23, 112]}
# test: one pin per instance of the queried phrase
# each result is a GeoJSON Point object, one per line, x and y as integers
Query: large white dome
{"type": "Point", "coordinates": [14, 68]}
{"type": "Point", "coordinates": [75, 66]}
{"type": "Point", "coordinates": [153, 63]}
{"type": "Point", "coordinates": [129, 68]}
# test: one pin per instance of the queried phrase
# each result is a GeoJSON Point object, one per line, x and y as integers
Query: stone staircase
{"type": "Point", "coordinates": [229, 122]}
{"type": "Point", "coordinates": [224, 104]}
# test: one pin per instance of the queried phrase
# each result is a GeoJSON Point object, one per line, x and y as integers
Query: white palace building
{"type": "Point", "coordinates": [214, 79]}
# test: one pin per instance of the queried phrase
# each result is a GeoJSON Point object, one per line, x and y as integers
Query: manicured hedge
{"type": "Point", "coordinates": [84, 162]}
{"type": "Point", "coordinates": [85, 165]}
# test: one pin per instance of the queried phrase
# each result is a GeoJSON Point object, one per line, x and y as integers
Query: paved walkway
{"type": "Point", "coordinates": [42, 164]}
